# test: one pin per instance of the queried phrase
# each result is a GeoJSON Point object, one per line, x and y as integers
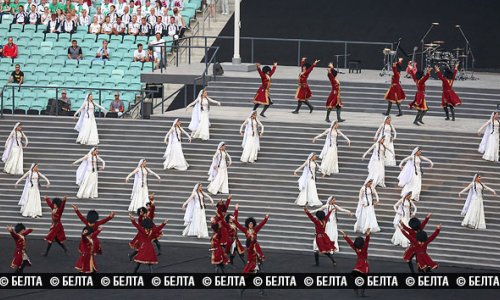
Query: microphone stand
{"type": "Point", "coordinates": [468, 51]}
{"type": "Point", "coordinates": [422, 43]}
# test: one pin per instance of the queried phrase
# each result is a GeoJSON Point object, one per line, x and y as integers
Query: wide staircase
{"type": "Point", "coordinates": [267, 186]}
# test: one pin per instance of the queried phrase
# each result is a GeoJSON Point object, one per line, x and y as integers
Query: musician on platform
{"type": "Point", "coordinates": [449, 99]}
{"type": "Point", "coordinates": [395, 94]}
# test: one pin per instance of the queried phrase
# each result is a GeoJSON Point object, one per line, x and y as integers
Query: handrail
{"type": "Point", "coordinates": [165, 99]}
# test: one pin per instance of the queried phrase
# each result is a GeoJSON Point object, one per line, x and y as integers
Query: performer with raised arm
{"type": "Point", "coordinates": [490, 142]}
{"type": "Point", "coordinates": [360, 247]}
{"type": "Point", "coordinates": [13, 154]}
{"type": "Point", "coordinates": [86, 125]}
{"type": "Point", "coordinates": [322, 242]}
{"type": "Point", "coordinates": [30, 202]}
{"type": "Point", "coordinates": [262, 95]}
{"type": "Point", "coordinates": [195, 218]}
{"type": "Point", "coordinates": [220, 214]}
{"type": "Point", "coordinates": [92, 221]}
{"type": "Point", "coordinates": [473, 211]}
{"type": "Point", "coordinates": [307, 182]}
{"type": "Point", "coordinates": [420, 243]}
{"type": "Point", "coordinates": [88, 250]}
{"type": "Point", "coordinates": [365, 212]}
{"type": "Point", "coordinates": [333, 100]}
{"type": "Point", "coordinates": [414, 226]}
{"type": "Point", "coordinates": [304, 93]}
{"type": "Point", "coordinates": [218, 256]}
{"type": "Point", "coordinates": [254, 262]}
{"type": "Point", "coordinates": [410, 177]}
{"type": "Point", "coordinates": [251, 138]}
{"type": "Point", "coordinates": [145, 252]}
{"type": "Point", "coordinates": [376, 166]}
{"type": "Point", "coordinates": [233, 245]}
{"type": "Point", "coordinates": [405, 209]}
{"type": "Point", "coordinates": [329, 153]}
{"type": "Point", "coordinates": [20, 260]}
{"type": "Point", "coordinates": [331, 225]}
{"type": "Point", "coordinates": [200, 120]}
{"type": "Point", "coordinates": [387, 131]}
{"type": "Point", "coordinates": [251, 230]}
{"type": "Point", "coordinates": [174, 157]}
{"type": "Point", "coordinates": [86, 175]}
{"type": "Point", "coordinates": [140, 191]}
{"type": "Point", "coordinates": [419, 103]}
{"type": "Point", "coordinates": [217, 174]}
{"type": "Point", "coordinates": [449, 99]}
{"type": "Point", "coordinates": [56, 231]}
{"type": "Point", "coordinates": [395, 94]}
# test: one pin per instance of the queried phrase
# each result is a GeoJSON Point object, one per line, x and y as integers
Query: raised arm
{"type": "Point", "coordinates": [209, 198]}
{"type": "Point", "coordinates": [397, 204]}
{"type": "Point", "coordinates": [440, 75]}
{"type": "Point", "coordinates": [80, 159]}
{"type": "Point", "coordinates": [484, 126]}
{"type": "Point", "coordinates": [188, 200]}
{"type": "Point", "coordinates": [349, 242]}
{"type": "Point", "coordinates": [489, 189]}
{"type": "Point", "coordinates": [466, 189]}
{"type": "Point", "coordinates": [434, 234]}
{"type": "Point", "coordinates": [44, 178]}
{"type": "Point", "coordinates": [49, 203]}
{"type": "Point", "coordinates": [139, 228]}
{"type": "Point", "coordinates": [370, 149]}
{"type": "Point", "coordinates": [404, 161]}
{"type": "Point", "coordinates": [425, 221]}
{"type": "Point", "coordinates": [325, 206]}
{"type": "Point", "coordinates": [105, 220]}
{"type": "Point", "coordinates": [321, 134]}
{"type": "Point", "coordinates": [313, 219]}
{"type": "Point", "coordinates": [102, 161]}
{"type": "Point", "coordinates": [80, 216]}
{"type": "Point", "coordinates": [193, 103]}
{"type": "Point", "coordinates": [100, 107]}
{"type": "Point", "coordinates": [213, 101]}
{"type": "Point", "coordinates": [408, 236]}
{"type": "Point", "coordinates": [81, 108]}
{"type": "Point", "coordinates": [339, 208]}
{"type": "Point", "coordinates": [261, 224]}
{"type": "Point", "coordinates": [22, 177]}
{"type": "Point", "coordinates": [301, 166]}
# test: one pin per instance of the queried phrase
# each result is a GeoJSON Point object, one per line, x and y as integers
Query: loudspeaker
{"type": "Point", "coordinates": [217, 69]}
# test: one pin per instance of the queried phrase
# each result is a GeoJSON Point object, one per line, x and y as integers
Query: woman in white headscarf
{"type": "Point", "coordinates": [174, 157]}
{"type": "Point", "coordinates": [13, 153]}
{"type": "Point", "coordinates": [195, 218]}
{"type": "Point", "coordinates": [329, 154]}
{"type": "Point", "coordinates": [86, 174]}
{"type": "Point", "coordinates": [217, 174]}
{"type": "Point", "coordinates": [251, 138]}
{"type": "Point", "coordinates": [200, 121]}
{"type": "Point", "coordinates": [376, 166]}
{"type": "Point", "coordinates": [140, 192]}
{"type": "Point", "coordinates": [31, 205]}
{"type": "Point", "coordinates": [307, 182]}
{"type": "Point", "coordinates": [365, 212]}
{"type": "Point", "coordinates": [387, 131]}
{"type": "Point", "coordinates": [410, 177]}
{"type": "Point", "coordinates": [490, 142]}
{"type": "Point", "coordinates": [473, 211]}
{"type": "Point", "coordinates": [331, 226]}
{"type": "Point", "coordinates": [86, 125]}
{"type": "Point", "coordinates": [405, 210]}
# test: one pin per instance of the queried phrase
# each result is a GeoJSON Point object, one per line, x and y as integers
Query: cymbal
{"type": "Point", "coordinates": [458, 49]}
{"type": "Point", "coordinates": [431, 45]}
{"type": "Point", "coordinates": [438, 42]}
{"type": "Point", "coordinates": [463, 56]}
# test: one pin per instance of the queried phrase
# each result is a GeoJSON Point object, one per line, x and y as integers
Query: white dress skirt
{"type": "Point", "coordinates": [376, 166]}
{"type": "Point", "coordinates": [413, 178]}
{"type": "Point", "coordinates": [14, 160]}
{"type": "Point", "coordinates": [390, 156]}
{"type": "Point", "coordinates": [195, 219]}
{"type": "Point", "coordinates": [490, 143]}
{"type": "Point", "coordinates": [174, 156]}
{"type": "Point", "coordinates": [140, 192]}
{"type": "Point", "coordinates": [89, 186]}
{"type": "Point", "coordinates": [31, 204]}
{"type": "Point", "coordinates": [203, 130]}
{"type": "Point", "coordinates": [87, 126]}
{"type": "Point", "coordinates": [307, 186]}
{"type": "Point", "coordinates": [473, 211]}
{"type": "Point", "coordinates": [251, 141]}
{"type": "Point", "coordinates": [366, 218]}
{"type": "Point", "coordinates": [398, 239]}
{"type": "Point", "coordinates": [329, 153]}
{"type": "Point", "coordinates": [219, 180]}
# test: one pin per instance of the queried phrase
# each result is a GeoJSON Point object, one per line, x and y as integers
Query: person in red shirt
{"type": "Point", "coordinates": [218, 256]}
{"type": "Point", "coordinates": [449, 99]}
{"type": "Point", "coordinates": [360, 246]}
{"type": "Point", "coordinates": [251, 230]}
{"type": "Point", "coordinates": [56, 231]}
{"type": "Point", "coordinates": [419, 102]}
{"type": "Point", "coordinates": [10, 49]}
{"type": "Point", "coordinates": [234, 245]}
{"type": "Point", "coordinates": [420, 243]}
{"type": "Point", "coordinates": [304, 93]}
{"type": "Point", "coordinates": [333, 100]}
{"type": "Point", "coordinates": [322, 244]}
{"type": "Point", "coordinates": [414, 226]}
{"type": "Point", "coordinates": [146, 253]}
{"type": "Point", "coordinates": [87, 248]}
{"type": "Point", "coordinates": [93, 221]}
{"type": "Point", "coordinates": [395, 94]}
{"type": "Point", "coordinates": [262, 95]}
{"type": "Point", "coordinates": [20, 259]}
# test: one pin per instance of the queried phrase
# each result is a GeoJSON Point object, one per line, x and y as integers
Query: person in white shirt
{"type": "Point", "coordinates": [152, 17]}
{"type": "Point", "coordinates": [107, 26]}
{"type": "Point", "coordinates": [100, 16]}
{"type": "Point", "coordinates": [41, 7]}
{"type": "Point", "coordinates": [164, 16]}
{"type": "Point", "coordinates": [81, 6]}
{"type": "Point", "coordinates": [140, 13]}
{"type": "Point", "coordinates": [173, 29]}
{"type": "Point", "coordinates": [177, 3]}
{"type": "Point", "coordinates": [68, 25]}
{"type": "Point", "coordinates": [133, 26]}
{"type": "Point", "coordinates": [119, 27]}
{"type": "Point", "coordinates": [158, 41]}
{"type": "Point", "coordinates": [105, 7]}
{"type": "Point", "coordinates": [84, 18]}
{"type": "Point", "coordinates": [53, 25]}
{"type": "Point", "coordinates": [126, 17]}
{"type": "Point", "coordinates": [145, 27]}
{"type": "Point", "coordinates": [159, 26]}
{"type": "Point", "coordinates": [103, 52]}
{"type": "Point", "coordinates": [139, 54]}
{"type": "Point", "coordinates": [112, 14]}
{"type": "Point", "coordinates": [95, 27]}
{"type": "Point", "coordinates": [33, 16]}
{"type": "Point", "coordinates": [27, 6]}
{"type": "Point", "coordinates": [180, 22]}
{"type": "Point", "coordinates": [20, 17]}
{"type": "Point", "coordinates": [45, 16]}
{"type": "Point", "coordinates": [120, 7]}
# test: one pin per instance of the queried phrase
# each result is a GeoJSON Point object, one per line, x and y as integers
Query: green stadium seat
{"type": "Point", "coordinates": [82, 29]}
{"type": "Point", "coordinates": [84, 63]}
{"type": "Point", "coordinates": [102, 37]}
{"type": "Point", "coordinates": [97, 64]}
{"type": "Point", "coordinates": [117, 73]}
{"type": "Point", "coordinates": [129, 40]}
{"type": "Point", "coordinates": [67, 71]}
{"type": "Point", "coordinates": [65, 37]}
{"type": "Point", "coordinates": [43, 80]}
{"type": "Point", "coordinates": [84, 81]}
{"type": "Point", "coordinates": [90, 38]}
{"type": "Point", "coordinates": [58, 62]}
{"type": "Point", "coordinates": [47, 45]}
{"type": "Point", "coordinates": [116, 39]}
{"type": "Point", "coordinates": [80, 72]}
{"type": "Point", "coordinates": [135, 66]}
{"type": "Point", "coordinates": [78, 36]}
{"type": "Point", "coordinates": [36, 40]}
{"type": "Point", "coordinates": [16, 29]}
{"type": "Point", "coordinates": [72, 62]}
{"type": "Point", "coordinates": [71, 81]}
{"type": "Point", "coordinates": [140, 40]}
{"type": "Point", "coordinates": [123, 64]}
{"type": "Point", "coordinates": [29, 30]}
{"type": "Point", "coordinates": [51, 37]}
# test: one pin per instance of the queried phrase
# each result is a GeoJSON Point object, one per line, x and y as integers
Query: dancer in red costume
{"type": "Point", "coordinates": [395, 94]}
{"type": "Point", "coordinates": [20, 260]}
{"type": "Point", "coordinates": [333, 100]}
{"type": "Point", "coordinates": [56, 231]}
{"type": "Point", "coordinates": [262, 95]}
{"type": "Point", "coordinates": [449, 99]}
{"type": "Point", "coordinates": [304, 93]}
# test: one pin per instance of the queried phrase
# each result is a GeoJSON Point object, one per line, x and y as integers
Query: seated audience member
{"type": "Point", "coordinates": [10, 49]}
{"type": "Point", "coordinates": [17, 76]}
{"type": "Point", "coordinates": [100, 16]}
{"type": "Point", "coordinates": [45, 16]}
{"type": "Point", "coordinates": [6, 8]}
{"type": "Point", "coordinates": [64, 98]}
{"type": "Point", "coordinates": [33, 16]}
{"type": "Point", "coordinates": [84, 18]}
{"type": "Point", "coordinates": [157, 43]}
{"type": "Point", "coordinates": [103, 52]}
{"type": "Point", "coordinates": [133, 26]}
{"type": "Point", "coordinates": [105, 7]}
{"type": "Point", "coordinates": [117, 105]}
{"type": "Point", "coordinates": [20, 17]}
{"type": "Point", "coordinates": [164, 16]}
{"type": "Point", "coordinates": [126, 17]}
{"type": "Point", "coordinates": [68, 6]}
{"type": "Point", "coordinates": [82, 5]}
{"type": "Point", "coordinates": [68, 26]}
{"type": "Point", "coordinates": [152, 56]}
{"type": "Point", "coordinates": [60, 16]}
{"type": "Point", "coordinates": [120, 8]}
{"type": "Point", "coordinates": [40, 9]}
{"type": "Point", "coordinates": [95, 27]}
{"type": "Point", "coordinates": [139, 54]}
{"type": "Point", "coordinates": [1, 51]}
{"type": "Point", "coordinates": [179, 4]}
{"type": "Point", "coordinates": [107, 26]}
{"type": "Point", "coordinates": [144, 28]}
{"type": "Point", "coordinates": [181, 24]}
{"type": "Point", "coordinates": [119, 27]}
{"type": "Point", "coordinates": [159, 26]}
{"type": "Point", "coordinates": [27, 5]}
{"type": "Point", "coordinates": [53, 26]}
{"type": "Point", "coordinates": [112, 14]}
{"type": "Point", "coordinates": [54, 6]}
{"type": "Point", "coordinates": [172, 29]}
{"type": "Point", "coordinates": [151, 16]}
{"type": "Point", "coordinates": [75, 51]}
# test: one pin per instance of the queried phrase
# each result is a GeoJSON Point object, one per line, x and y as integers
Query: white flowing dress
{"type": "Point", "coordinates": [30, 202]}
{"type": "Point", "coordinates": [87, 176]}
{"type": "Point", "coordinates": [200, 120]}
{"type": "Point", "coordinates": [490, 143]}
{"type": "Point", "coordinates": [140, 191]}
{"type": "Point", "coordinates": [473, 211]}
{"type": "Point", "coordinates": [389, 133]}
{"type": "Point", "coordinates": [331, 226]}
{"type": "Point", "coordinates": [251, 140]}
{"type": "Point", "coordinates": [329, 153]}
{"type": "Point", "coordinates": [403, 213]}
{"type": "Point", "coordinates": [174, 156]}
{"type": "Point", "coordinates": [365, 212]}
{"type": "Point", "coordinates": [307, 185]}
{"type": "Point", "coordinates": [410, 178]}
{"type": "Point", "coordinates": [218, 177]}
{"type": "Point", "coordinates": [195, 218]}
{"type": "Point", "coordinates": [13, 155]}
{"type": "Point", "coordinates": [86, 125]}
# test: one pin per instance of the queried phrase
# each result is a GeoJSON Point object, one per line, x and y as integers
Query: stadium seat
{"type": "Point", "coordinates": [84, 63]}
{"type": "Point", "coordinates": [80, 72]}
{"type": "Point", "coordinates": [84, 82]}
{"type": "Point", "coordinates": [64, 37]}
{"type": "Point", "coordinates": [51, 37]}
{"type": "Point", "coordinates": [97, 64]}
{"type": "Point", "coordinates": [71, 63]}
{"type": "Point", "coordinates": [71, 81]}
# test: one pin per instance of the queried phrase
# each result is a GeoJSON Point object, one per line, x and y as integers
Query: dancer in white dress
{"type": "Point", "coordinates": [365, 212]}
{"type": "Point", "coordinates": [217, 174]}
{"type": "Point", "coordinates": [307, 182]}
{"type": "Point", "coordinates": [13, 153]}
{"type": "Point", "coordinates": [329, 154]}
{"type": "Point", "coordinates": [174, 157]}
{"type": "Point", "coordinates": [376, 166]}
{"type": "Point", "coordinates": [405, 210]}
{"type": "Point", "coordinates": [140, 191]}
{"type": "Point", "coordinates": [490, 142]}
{"type": "Point", "coordinates": [195, 218]}
{"type": "Point", "coordinates": [251, 138]}
{"type": "Point", "coordinates": [86, 125]}
{"type": "Point", "coordinates": [200, 120]}
{"type": "Point", "coordinates": [410, 177]}
{"type": "Point", "coordinates": [473, 211]}
{"type": "Point", "coordinates": [331, 225]}
{"type": "Point", "coordinates": [87, 174]}
{"type": "Point", "coordinates": [387, 131]}
{"type": "Point", "coordinates": [31, 205]}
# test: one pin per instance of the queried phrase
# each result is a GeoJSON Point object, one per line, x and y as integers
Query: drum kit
{"type": "Point", "coordinates": [436, 54]}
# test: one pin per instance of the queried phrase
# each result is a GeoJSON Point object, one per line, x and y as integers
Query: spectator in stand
{"type": "Point", "coordinates": [53, 26]}
{"type": "Point", "coordinates": [20, 17]}
{"type": "Point", "coordinates": [178, 4]}
{"type": "Point", "coordinates": [157, 43]}
{"type": "Point", "coordinates": [106, 7]}
{"type": "Point", "coordinates": [68, 7]}
{"type": "Point", "coordinates": [100, 16]}
{"type": "Point", "coordinates": [82, 6]}
{"type": "Point", "coordinates": [117, 105]}
{"type": "Point", "coordinates": [144, 28]}
{"type": "Point", "coordinates": [54, 6]}
{"type": "Point", "coordinates": [139, 54]}
{"type": "Point", "coordinates": [164, 16]}
{"type": "Point", "coordinates": [45, 16]}
{"type": "Point", "coordinates": [27, 6]}
{"type": "Point", "coordinates": [33, 16]}
{"type": "Point", "coordinates": [119, 27]}
{"type": "Point", "coordinates": [95, 27]}
{"type": "Point", "coordinates": [133, 26]}
{"type": "Point", "coordinates": [15, 6]}
{"type": "Point", "coordinates": [107, 26]}
{"type": "Point", "coordinates": [10, 49]}
{"type": "Point", "coordinates": [1, 51]}
{"type": "Point", "coordinates": [40, 9]}
{"type": "Point", "coordinates": [152, 56]}
{"type": "Point", "coordinates": [6, 8]}
{"type": "Point", "coordinates": [165, 3]}
{"type": "Point", "coordinates": [17, 76]}
{"type": "Point", "coordinates": [172, 29]}
{"type": "Point", "coordinates": [84, 18]}
{"type": "Point", "coordinates": [225, 7]}
{"type": "Point", "coordinates": [152, 16]}
{"type": "Point", "coordinates": [120, 8]}
{"type": "Point", "coordinates": [74, 17]}
{"type": "Point", "coordinates": [159, 26]}
{"type": "Point", "coordinates": [68, 26]}
{"type": "Point", "coordinates": [64, 98]}
{"type": "Point", "coordinates": [157, 5]}
{"type": "Point", "coordinates": [180, 22]}
{"type": "Point", "coordinates": [211, 8]}
{"type": "Point", "coordinates": [60, 16]}
{"type": "Point", "coordinates": [126, 17]}
{"type": "Point", "coordinates": [75, 51]}
{"type": "Point", "coordinates": [103, 52]}
{"type": "Point", "coordinates": [112, 14]}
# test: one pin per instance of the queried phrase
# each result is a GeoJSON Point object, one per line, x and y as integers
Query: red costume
{"type": "Point", "coordinates": [86, 261]}
{"type": "Point", "coordinates": [424, 261]}
{"type": "Point", "coordinates": [410, 251]}
{"type": "Point", "coordinates": [449, 96]}
{"type": "Point", "coordinates": [262, 95]}
{"type": "Point", "coordinates": [323, 242]}
{"type": "Point", "coordinates": [56, 230]}
{"type": "Point", "coordinates": [20, 254]}
{"type": "Point", "coordinates": [334, 97]}
{"type": "Point", "coordinates": [134, 244]}
{"type": "Point", "coordinates": [232, 237]}
{"type": "Point", "coordinates": [223, 226]}
{"type": "Point", "coordinates": [251, 233]}
{"type": "Point", "coordinates": [395, 93]}
{"type": "Point", "coordinates": [362, 262]}
{"type": "Point", "coordinates": [252, 258]}
{"type": "Point", "coordinates": [419, 103]}
{"type": "Point", "coordinates": [218, 255]}
{"type": "Point", "coordinates": [303, 91]}
{"type": "Point", "coordinates": [145, 251]}
{"type": "Point", "coordinates": [95, 226]}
